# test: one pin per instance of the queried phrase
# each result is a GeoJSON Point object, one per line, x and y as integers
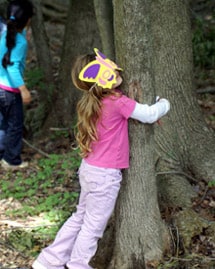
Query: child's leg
{"type": "Point", "coordinates": [2, 146]}
{"type": "Point", "coordinates": [103, 187]}
{"type": "Point", "coordinates": [58, 253]}
{"type": "Point", "coordinates": [3, 127]}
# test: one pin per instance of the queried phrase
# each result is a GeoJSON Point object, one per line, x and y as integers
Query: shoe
{"type": "Point", "coordinates": [37, 265]}
{"type": "Point", "coordinates": [5, 165]}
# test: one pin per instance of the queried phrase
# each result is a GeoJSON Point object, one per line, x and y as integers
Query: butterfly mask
{"type": "Point", "coordinates": [100, 71]}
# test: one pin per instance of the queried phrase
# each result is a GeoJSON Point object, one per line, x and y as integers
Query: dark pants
{"type": "Point", "coordinates": [11, 126]}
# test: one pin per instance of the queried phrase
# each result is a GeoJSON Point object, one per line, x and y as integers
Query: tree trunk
{"type": "Point", "coordinates": [140, 232]}
{"type": "Point", "coordinates": [81, 36]}
{"type": "Point", "coordinates": [3, 7]}
{"type": "Point", "coordinates": [55, 9]}
{"type": "Point", "coordinates": [37, 118]}
{"type": "Point", "coordinates": [41, 42]}
{"type": "Point", "coordinates": [185, 143]}
{"type": "Point", "coordinates": [155, 49]}
{"type": "Point", "coordinates": [104, 16]}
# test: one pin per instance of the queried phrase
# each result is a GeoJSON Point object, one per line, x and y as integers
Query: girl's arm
{"type": "Point", "coordinates": [26, 95]}
{"type": "Point", "coordinates": [150, 114]}
{"type": "Point", "coordinates": [18, 57]}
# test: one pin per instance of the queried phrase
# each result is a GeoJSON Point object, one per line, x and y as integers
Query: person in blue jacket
{"type": "Point", "coordinates": [13, 91]}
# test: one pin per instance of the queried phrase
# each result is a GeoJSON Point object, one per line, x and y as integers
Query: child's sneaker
{"type": "Point", "coordinates": [37, 265]}
{"type": "Point", "coordinates": [5, 165]}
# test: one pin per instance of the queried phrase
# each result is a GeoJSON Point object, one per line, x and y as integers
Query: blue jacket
{"type": "Point", "coordinates": [12, 76]}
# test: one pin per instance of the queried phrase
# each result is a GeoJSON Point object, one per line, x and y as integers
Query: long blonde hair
{"type": "Point", "coordinates": [89, 107]}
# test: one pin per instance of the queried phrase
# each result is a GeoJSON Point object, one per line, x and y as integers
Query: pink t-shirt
{"type": "Point", "coordinates": [112, 148]}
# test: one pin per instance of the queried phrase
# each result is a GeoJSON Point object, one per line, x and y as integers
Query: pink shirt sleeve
{"type": "Point", "coordinates": [126, 106]}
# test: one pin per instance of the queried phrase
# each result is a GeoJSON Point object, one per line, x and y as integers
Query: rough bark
{"type": "Point", "coordinates": [81, 36]}
{"type": "Point", "coordinates": [41, 41]}
{"type": "Point", "coordinates": [55, 10]}
{"type": "Point", "coordinates": [155, 49]}
{"type": "Point", "coordinates": [185, 143]}
{"type": "Point", "coordinates": [36, 118]}
{"type": "Point", "coordinates": [104, 16]}
{"type": "Point", "coordinates": [3, 6]}
{"type": "Point", "coordinates": [140, 232]}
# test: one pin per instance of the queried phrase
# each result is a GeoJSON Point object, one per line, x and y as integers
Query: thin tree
{"type": "Point", "coordinates": [81, 35]}
{"type": "Point", "coordinates": [104, 18]}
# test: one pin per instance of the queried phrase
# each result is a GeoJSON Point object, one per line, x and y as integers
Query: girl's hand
{"type": "Point", "coordinates": [26, 95]}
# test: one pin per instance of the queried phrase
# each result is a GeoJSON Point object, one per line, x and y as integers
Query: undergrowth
{"type": "Point", "coordinates": [48, 188]}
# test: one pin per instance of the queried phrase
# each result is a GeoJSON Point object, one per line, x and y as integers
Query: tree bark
{"type": "Point", "coordinates": [137, 247]}
{"type": "Point", "coordinates": [37, 118]}
{"type": "Point", "coordinates": [155, 49]}
{"type": "Point", "coordinates": [81, 36]}
{"type": "Point", "coordinates": [41, 42]}
{"type": "Point", "coordinates": [184, 141]}
{"type": "Point", "coordinates": [55, 9]}
{"type": "Point", "coordinates": [185, 144]}
{"type": "Point", "coordinates": [3, 7]}
{"type": "Point", "coordinates": [104, 16]}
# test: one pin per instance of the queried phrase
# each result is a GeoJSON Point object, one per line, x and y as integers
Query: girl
{"type": "Point", "coordinates": [103, 114]}
{"type": "Point", "coordinates": [13, 92]}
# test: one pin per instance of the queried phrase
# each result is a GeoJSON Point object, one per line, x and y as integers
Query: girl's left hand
{"type": "Point", "coordinates": [26, 95]}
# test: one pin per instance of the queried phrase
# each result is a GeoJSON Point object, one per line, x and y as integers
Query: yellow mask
{"type": "Point", "coordinates": [100, 71]}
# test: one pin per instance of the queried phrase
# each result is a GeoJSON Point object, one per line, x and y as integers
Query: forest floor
{"type": "Point", "coordinates": [11, 256]}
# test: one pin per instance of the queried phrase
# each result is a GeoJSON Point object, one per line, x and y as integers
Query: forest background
{"type": "Point", "coordinates": [34, 203]}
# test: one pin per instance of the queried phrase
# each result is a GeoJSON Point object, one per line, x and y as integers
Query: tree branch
{"type": "Point", "coordinates": [36, 149]}
{"type": "Point", "coordinates": [178, 173]}
{"type": "Point", "coordinates": [209, 89]}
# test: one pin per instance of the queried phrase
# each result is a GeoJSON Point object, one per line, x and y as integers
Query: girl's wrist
{"type": "Point", "coordinates": [22, 88]}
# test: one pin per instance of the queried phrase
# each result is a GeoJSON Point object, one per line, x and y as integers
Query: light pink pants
{"type": "Point", "coordinates": [76, 241]}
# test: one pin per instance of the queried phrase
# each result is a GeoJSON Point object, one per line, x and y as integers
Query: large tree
{"type": "Point", "coordinates": [153, 44]}
{"type": "Point", "coordinates": [138, 216]}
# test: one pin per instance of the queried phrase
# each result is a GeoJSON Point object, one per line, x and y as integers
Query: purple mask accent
{"type": "Point", "coordinates": [111, 78]}
{"type": "Point", "coordinates": [101, 54]}
{"type": "Point", "coordinates": [92, 71]}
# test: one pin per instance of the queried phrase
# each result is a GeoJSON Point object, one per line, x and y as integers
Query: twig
{"type": "Point", "coordinates": [58, 129]}
{"type": "Point", "coordinates": [206, 90]}
{"type": "Point", "coordinates": [13, 267]}
{"type": "Point", "coordinates": [179, 173]}
{"type": "Point", "coordinates": [203, 196]}
{"type": "Point", "coordinates": [172, 237]}
{"type": "Point", "coordinates": [12, 228]}
{"type": "Point", "coordinates": [191, 259]}
{"type": "Point", "coordinates": [36, 149]}
{"type": "Point", "coordinates": [176, 244]}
